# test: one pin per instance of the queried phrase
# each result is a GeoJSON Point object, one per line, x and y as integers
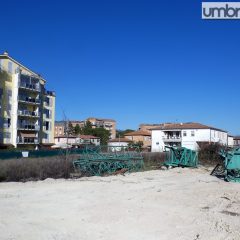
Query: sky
{"type": "Point", "coordinates": [132, 61]}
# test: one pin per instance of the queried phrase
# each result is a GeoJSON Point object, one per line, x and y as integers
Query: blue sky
{"type": "Point", "coordinates": [133, 61]}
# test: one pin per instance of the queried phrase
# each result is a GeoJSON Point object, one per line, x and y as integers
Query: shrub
{"type": "Point", "coordinates": [209, 154]}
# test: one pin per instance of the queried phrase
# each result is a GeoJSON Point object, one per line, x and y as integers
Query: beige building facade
{"type": "Point", "coordinates": [27, 109]}
{"type": "Point", "coordinates": [140, 136]}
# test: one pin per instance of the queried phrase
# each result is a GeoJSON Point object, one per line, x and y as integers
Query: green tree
{"type": "Point", "coordinates": [102, 133]}
{"type": "Point", "coordinates": [70, 129]}
{"type": "Point", "coordinates": [121, 133]}
{"type": "Point", "coordinates": [77, 129]}
{"type": "Point", "coordinates": [87, 130]}
{"type": "Point", "coordinates": [138, 144]}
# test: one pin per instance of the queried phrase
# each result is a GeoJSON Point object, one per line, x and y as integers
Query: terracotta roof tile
{"type": "Point", "coordinates": [138, 133]}
{"type": "Point", "coordinates": [190, 125]}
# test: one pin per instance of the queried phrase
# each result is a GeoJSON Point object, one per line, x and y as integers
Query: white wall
{"type": "Point", "coordinates": [157, 141]}
{"type": "Point", "coordinates": [200, 135]}
{"type": "Point", "coordinates": [118, 144]}
{"type": "Point", "coordinates": [230, 141]}
{"type": "Point", "coordinates": [64, 140]}
{"type": "Point", "coordinates": [14, 112]}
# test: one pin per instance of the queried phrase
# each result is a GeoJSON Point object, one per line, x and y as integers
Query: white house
{"type": "Point", "coordinates": [76, 140]}
{"type": "Point", "coordinates": [188, 135]}
{"type": "Point", "coordinates": [119, 142]}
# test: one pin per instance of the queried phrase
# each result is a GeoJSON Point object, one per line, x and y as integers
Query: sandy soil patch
{"type": "Point", "coordinates": [181, 204]}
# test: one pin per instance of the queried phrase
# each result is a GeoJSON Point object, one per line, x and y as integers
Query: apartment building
{"type": "Point", "coordinates": [59, 129]}
{"type": "Point", "coordinates": [108, 124]}
{"type": "Point", "coordinates": [27, 109]}
{"type": "Point", "coordinates": [189, 135]}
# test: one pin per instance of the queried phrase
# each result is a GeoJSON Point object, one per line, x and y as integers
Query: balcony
{"type": "Point", "coordinates": [172, 139]}
{"type": "Point", "coordinates": [28, 140]}
{"type": "Point", "coordinates": [50, 93]}
{"type": "Point", "coordinates": [31, 87]}
{"type": "Point", "coordinates": [47, 116]}
{"type": "Point", "coordinates": [27, 113]}
{"type": "Point", "coordinates": [46, 129]}
{"type": "Point", "coordinates": [47, 104]}
{"type": "Point", "coordinates": [29, 127]}
{"type": "Point", "coordinates": [29, 100]}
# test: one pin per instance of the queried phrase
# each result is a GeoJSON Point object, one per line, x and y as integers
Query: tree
{"type": "Point", "coordinates": [138, 144]}
{"type": "Point", "coordinates": [87, 130]}
{"type": "Point", "coordinates": [102, 133]}
{"type": "Point", "coordinates": [121, 133]}
{"type": "Point", "coordinates": [71, 130]}
{"type": "Point", "coordinates": [77, 130]}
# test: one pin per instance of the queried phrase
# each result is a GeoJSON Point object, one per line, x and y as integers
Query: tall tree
{"type": "Point", "coordinates": [77, 129]}
{"type": "Point", "coordinates": [71, 130]}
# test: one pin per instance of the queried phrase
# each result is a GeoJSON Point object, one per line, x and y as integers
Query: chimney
{"type": "Point", "coordinates": [5, 53]}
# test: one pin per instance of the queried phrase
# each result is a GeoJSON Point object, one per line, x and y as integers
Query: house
{"type": "Point", "coordinates": [119, 142]}
{"type": "Point", "coordinates": [140, 136]}
{"type": "Point", "coordinates": [76, 140]}
{"type": "Point", "coordinates": [89, 139]}
{"type": "Point", "coordinates": [188, 135]}
{"type": "Point", "coordinates": [27, 109]}
{"type": "Point", "coordinates": [236, 141]}
{"type": "Point", "coordinates": [147, 127]}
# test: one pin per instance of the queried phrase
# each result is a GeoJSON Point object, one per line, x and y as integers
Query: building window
{"type": "Point", "coordinates": [184, 133]}
{"type": "Point", "coordinates": [192, 133]}
{"type": "Point", "coordinates": [157, 143]}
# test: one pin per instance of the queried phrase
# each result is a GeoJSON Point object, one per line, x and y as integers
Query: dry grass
{"type": "Point", "coordinates": [153, 160]}
{"type": "Point", "coordinates": [36, 168]}
{"type": "Point", "coordinates": [26, 169]}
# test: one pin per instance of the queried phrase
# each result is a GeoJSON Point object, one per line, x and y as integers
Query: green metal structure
{"type": "Point", "coordinates": [97, 161]}
{"type": "Point", "coordinates": [181, 157]}
{"type": "Point", "coordinates": [230, 168]}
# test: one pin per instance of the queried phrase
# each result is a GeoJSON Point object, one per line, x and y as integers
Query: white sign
{"type": "Point", "coordinates": [221, 10]}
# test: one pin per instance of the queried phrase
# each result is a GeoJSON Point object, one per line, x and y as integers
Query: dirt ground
{"type": "Point", "coordinates": [181, 204]}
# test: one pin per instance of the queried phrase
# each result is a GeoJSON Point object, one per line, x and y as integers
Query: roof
{"type": "Point", "coordinates": [189, 125]}
{"type": "Point", "coordinates": [236, 138]}
{"type": "Point", "coordinates": [64, 136]}
{"type": "Point", "coordinates": [88, 137]}
{"type": "Point", "coordinates": [80, 136]}
{"type": "Point", "coordinates": [138, 133]}
{"type": "Point", "coordinates": [102, 119]}
{"type": "Point", "coordinates": [6, 56]}
{"type": "Point", "coordinates": [59, 123]}
{"type": "Point", "coordinates": [120, 140]}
